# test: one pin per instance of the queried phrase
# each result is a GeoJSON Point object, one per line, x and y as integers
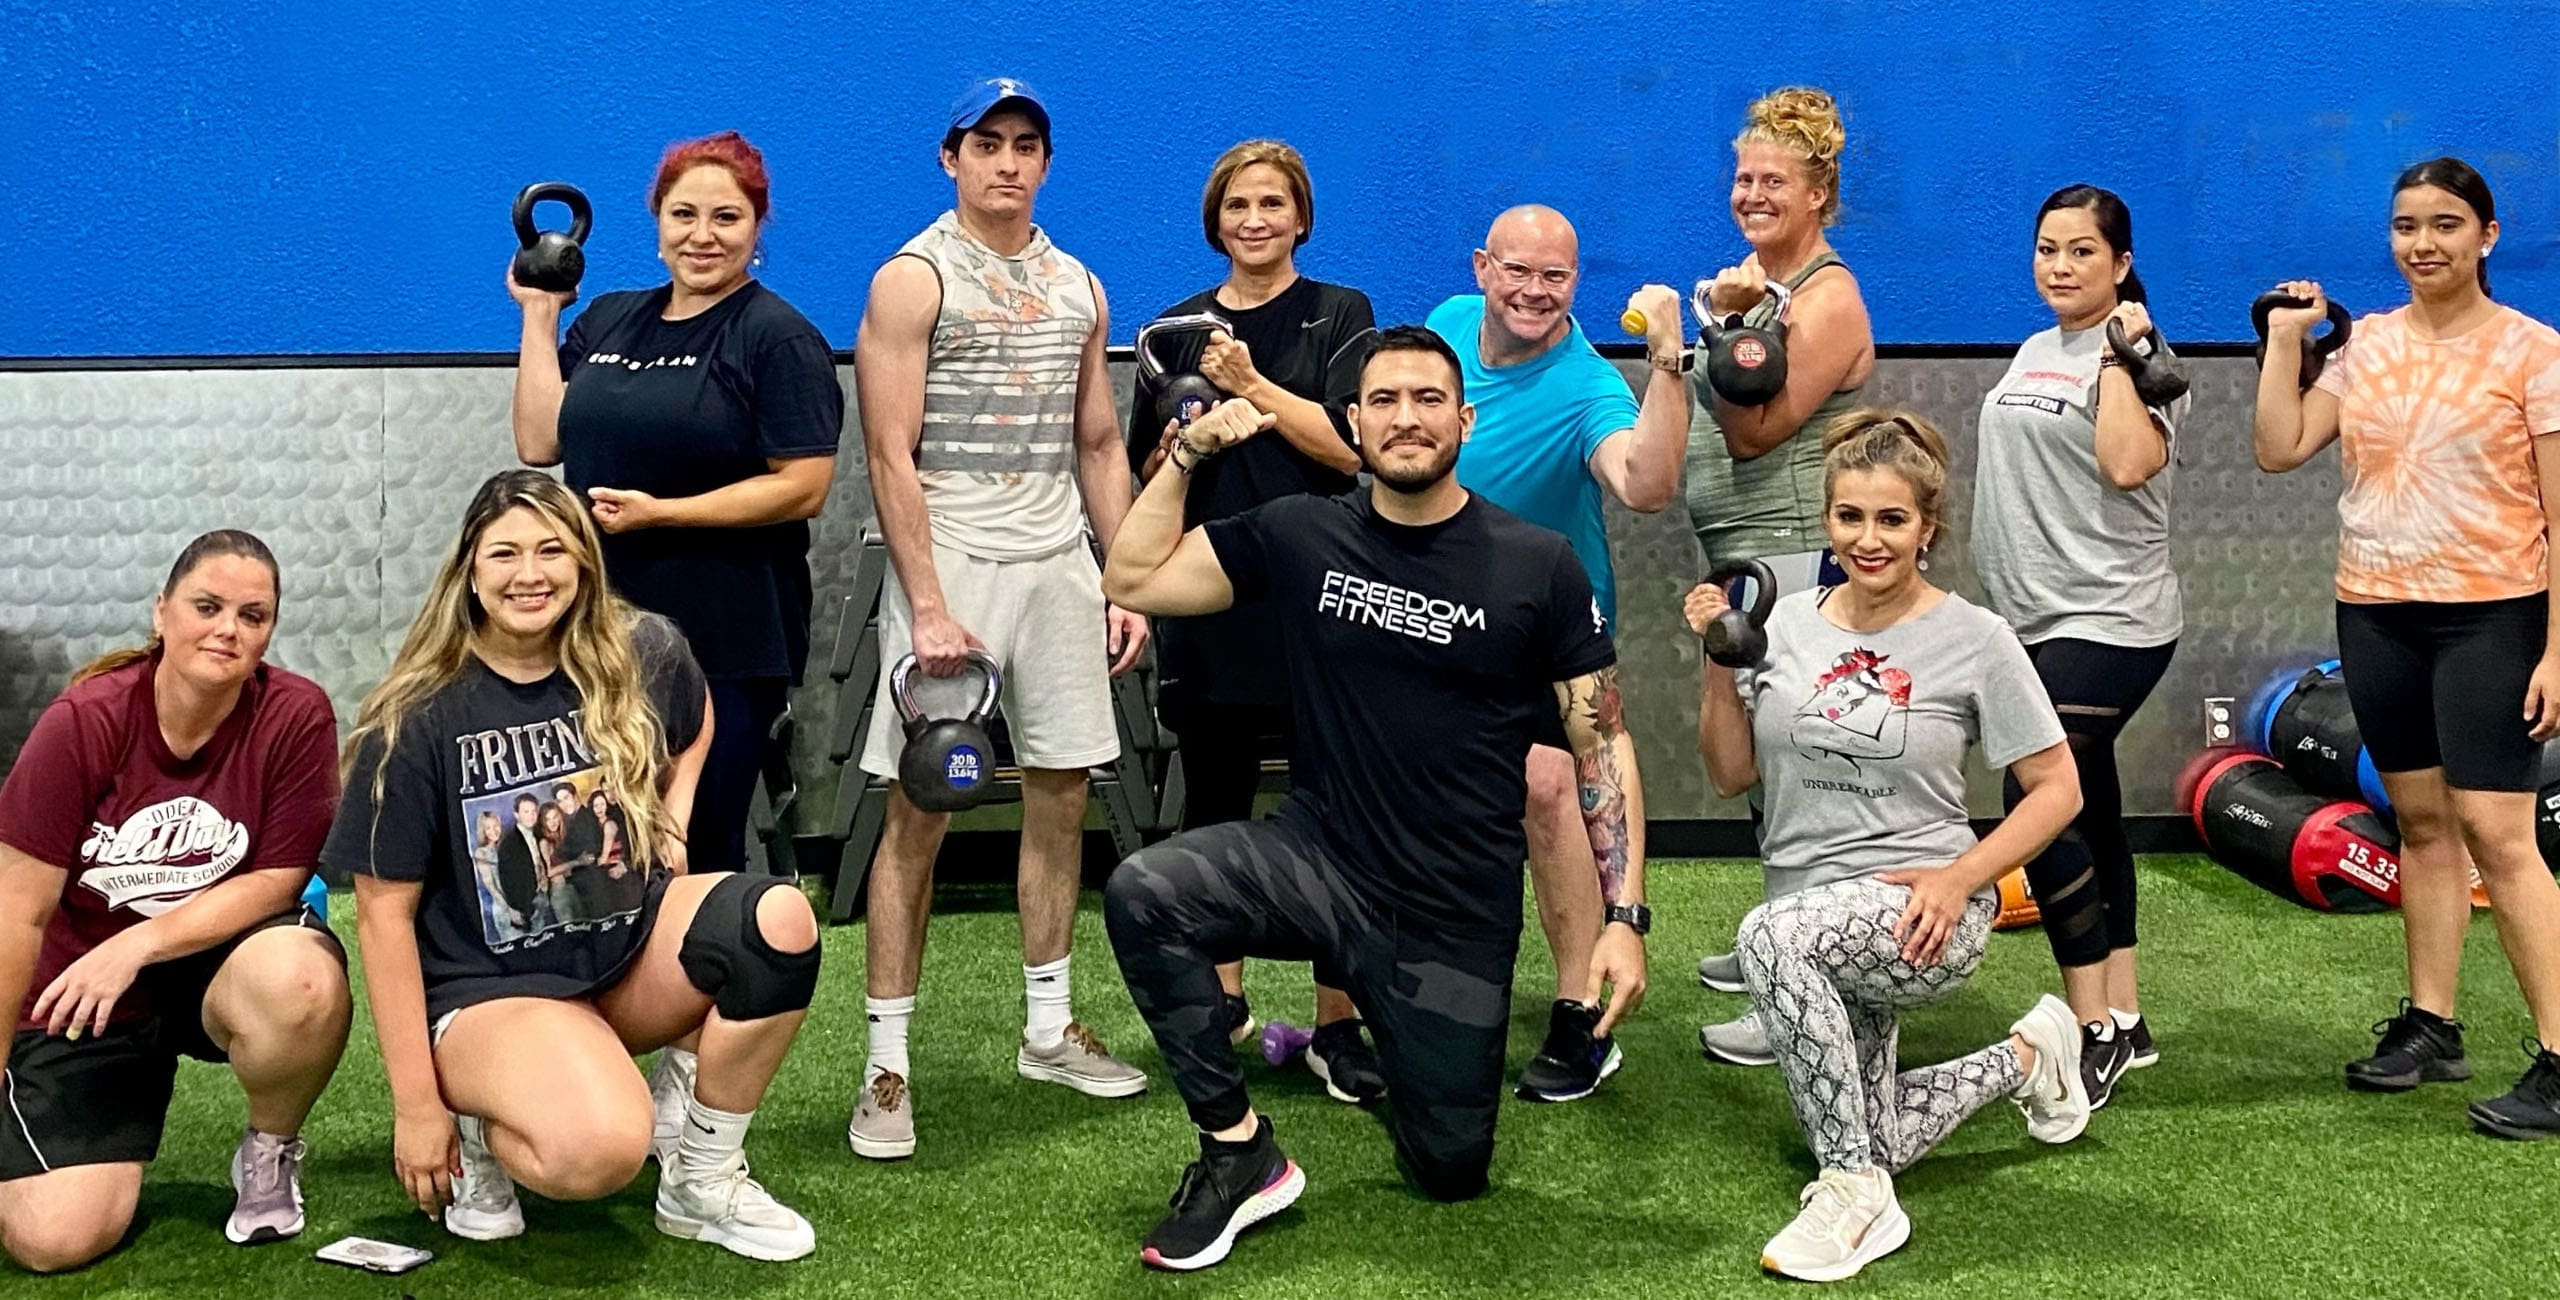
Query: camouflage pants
{"type": "Point", "coordinates": [1437, 1004]}
{"type": "Point", "coordinates": [1830, 984]}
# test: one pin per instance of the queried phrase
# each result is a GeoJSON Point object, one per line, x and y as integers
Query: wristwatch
{"type": "Point", "coordinates": [1687, 360]}
{"type": "Point", "coordinates": [1635, 916]}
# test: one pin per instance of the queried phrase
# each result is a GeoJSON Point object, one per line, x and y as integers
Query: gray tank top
{"type": "Point", "coordinates": [1772, 503]}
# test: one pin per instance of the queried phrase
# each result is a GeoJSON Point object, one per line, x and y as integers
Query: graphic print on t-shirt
{"type": "Point", "coordinates": [161, 855]}
{"type": "Point", "coordinates": [1860, 709]}
{"type": "Point", "coordinates": [549, 849]}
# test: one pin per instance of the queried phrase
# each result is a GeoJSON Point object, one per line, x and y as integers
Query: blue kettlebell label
{"type": "Point", "coordinates": [962, 767]}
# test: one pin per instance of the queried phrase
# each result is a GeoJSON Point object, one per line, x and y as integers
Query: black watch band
{"type": "Point", "coordinates": [1636, 916]}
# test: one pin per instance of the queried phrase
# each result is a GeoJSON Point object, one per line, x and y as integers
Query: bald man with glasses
{"type": "Point", "coordinates": [1555, 427]}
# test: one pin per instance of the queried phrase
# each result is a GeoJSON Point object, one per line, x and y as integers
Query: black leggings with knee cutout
{"type": "Point", "coordinates": [2083, 881]}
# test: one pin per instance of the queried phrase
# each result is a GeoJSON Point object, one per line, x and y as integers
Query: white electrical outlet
{"type": "Point", "coordinates": [2221, 721]}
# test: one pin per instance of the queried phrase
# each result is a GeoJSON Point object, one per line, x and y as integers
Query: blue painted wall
{"type": "Point", "coordinates": [241, 177]}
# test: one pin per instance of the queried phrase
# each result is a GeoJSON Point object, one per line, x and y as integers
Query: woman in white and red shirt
{"type": "Point", "coordinates": [156, 835]}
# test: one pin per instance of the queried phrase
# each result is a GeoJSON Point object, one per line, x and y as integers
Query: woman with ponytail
{"type": "Point", "coordinates": [525, 680]}
{"type": "Point", "coordinates": [1855, 724]}
{"type": "Point", "coordinates": [156, 835]}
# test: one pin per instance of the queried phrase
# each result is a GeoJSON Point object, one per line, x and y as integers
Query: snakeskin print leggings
{"type": "Point", "coordinates": [1830, 985]}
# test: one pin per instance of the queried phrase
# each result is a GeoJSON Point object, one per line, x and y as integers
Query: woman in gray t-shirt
{"type": "Point", "coordinates": [2071, 540]}
{"type": "Point", "coordinates": [1855, 724]}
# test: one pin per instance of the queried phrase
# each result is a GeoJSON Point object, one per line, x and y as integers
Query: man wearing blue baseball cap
{"type": "Point", "coordinates": [994, 446]}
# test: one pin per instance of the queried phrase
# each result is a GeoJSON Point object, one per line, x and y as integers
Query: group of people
{"type": "Point", "coordinates": [1374, 534]}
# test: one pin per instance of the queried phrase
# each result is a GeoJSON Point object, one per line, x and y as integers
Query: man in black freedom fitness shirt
{"type": "Point", "coordinates": [1425, 631]}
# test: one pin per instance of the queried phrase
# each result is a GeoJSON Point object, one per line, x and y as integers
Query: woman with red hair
{"type": "Point", "coordinates": [698, 419]}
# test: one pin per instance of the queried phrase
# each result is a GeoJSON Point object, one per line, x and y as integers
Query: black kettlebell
{"type": "Point", "coordinates": [1187, 396]}
{"type": "Point", "coordinates": [1739, 638]}
{"type": "Point", "coordinates": [551, 260]}
{"type": "Point", "coordinates": [2156, 379]}
{"type": "Point", "coordinates": [947, 762]}
{"type": "Point", "coordinates": [2315, 350]}
{"type": "Point", "coordinates": [1746, 364]}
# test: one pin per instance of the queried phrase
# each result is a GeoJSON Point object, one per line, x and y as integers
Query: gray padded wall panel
{"type": "Point", "coordinates": [358, 477]}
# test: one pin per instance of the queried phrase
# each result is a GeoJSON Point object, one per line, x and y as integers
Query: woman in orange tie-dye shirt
{"type": "Point", "coordinates": [2447, 416]}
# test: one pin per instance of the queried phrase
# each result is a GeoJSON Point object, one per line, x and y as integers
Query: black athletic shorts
{"type": "Point", "coordinates": [102, 1100]}
{"type": "Point", "coordinates": [2442, 684]}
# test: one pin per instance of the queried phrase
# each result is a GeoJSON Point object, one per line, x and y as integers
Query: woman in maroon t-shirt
{"type": "Point", "coordinates": [156, 835]}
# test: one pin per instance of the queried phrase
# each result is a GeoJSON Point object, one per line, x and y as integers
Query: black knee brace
{"type": "Point", "coordinates": [725, 954]}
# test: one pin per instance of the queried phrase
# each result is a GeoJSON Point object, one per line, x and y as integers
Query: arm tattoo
{"type": "Point", "coordinates": [1595, 717]}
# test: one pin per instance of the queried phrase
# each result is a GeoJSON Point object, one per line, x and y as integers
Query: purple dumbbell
{"type": "Point", "coordinates": [1282, 1042]}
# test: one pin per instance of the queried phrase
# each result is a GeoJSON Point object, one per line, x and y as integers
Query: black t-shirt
{"type": "Point", "coordinates": [1306, 341]}
{"type": "Point", "coordinates": [680, 408]}
{"type": "Point", "coordinates": [1422, 662]}
{"type": "Point", "coordinates": [505, 909]}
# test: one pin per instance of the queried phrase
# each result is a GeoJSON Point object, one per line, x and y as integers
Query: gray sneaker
{"type": "Point", "coordinates": [884, 1121]}
{"type": "Point", "coordinates": [670, 1087]}
{"type": "Point", "coordinates": [266, 1171]}
{"type": "Point", "coordinates": [1723, 973]}
{"type": "Point", "coordinates": [484, 1199]}
{"type": "Point", "coordinates": [1080, 1062]}
{"type": "Point", "coordinates": [1744, 1041]}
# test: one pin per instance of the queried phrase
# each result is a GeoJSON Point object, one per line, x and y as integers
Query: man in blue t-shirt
{"type": "Point", "coordinates": [1555, 425]}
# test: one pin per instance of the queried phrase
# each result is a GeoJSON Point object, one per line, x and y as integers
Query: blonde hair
{"type": "Point", "coordinates": [1901, 442]}
{"type": "Point", "coordinates": [1270, 153]}
{"type": "Point", "coordinates": [219, 542]}
{"type": "Point", "coordinates": [1805, 122]}
{"type": "Point", "coordinates": [592, 641]}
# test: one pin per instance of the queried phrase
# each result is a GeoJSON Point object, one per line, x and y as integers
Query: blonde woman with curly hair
{"type": "Point", "coordinates": [510, 1061]}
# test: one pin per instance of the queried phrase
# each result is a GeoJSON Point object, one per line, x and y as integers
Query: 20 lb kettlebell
{"type": "Point", "coordinates": [1746, 364]}
{"type": "Point", "coordinates": [552, 260]}
{"type": "Point", "coordinates": [1739, 638]}
{"type": "Point", "coordinates": [2155, 376]}
{"type": "Point", "coordinates": [1187, 396]}
{"type": "Point", "coordinates": [2315, 351]}
{"type": "Point", "coordinates": [947, 761]}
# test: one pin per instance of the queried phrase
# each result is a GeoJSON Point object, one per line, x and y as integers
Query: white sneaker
{"type": "Point", "coordinates": [728, 1208]}
{"type": "Point", "coordinates": [484, 1199]}
{"type": "Point", "coordinates": [670, 1087]}
{"type": "Point", "coordinates": [1849, 1221]}
{"type": "Point", "coordinates": [2054, 1097]}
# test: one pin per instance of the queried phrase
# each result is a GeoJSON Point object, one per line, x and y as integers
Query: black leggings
{"type": "Point", "coordinates": [1439, 1003]}
{"type": "Point", "coordinates": [2083, 881]}
{"type": "Point", "coordinates": [1222, 747]}
{"type": "Point", "coordinates": [743, 710]}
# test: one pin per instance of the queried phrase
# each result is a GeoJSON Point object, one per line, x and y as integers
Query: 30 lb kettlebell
{"type": "Point", "coordinates": [1739, 638]}
{"type": "Point", "coordinates": [2155, 376]}
{"type": "Point", "coordinates": [2315, 351]}
{"type": "Point", "coordinates": [947, 761]}
{"type": "Point", "coordinates": [1746, 364]}
{"type": "Point", "coordinates": [1184, 397]}
{"type": "Point", "coordinates": [552, 260]}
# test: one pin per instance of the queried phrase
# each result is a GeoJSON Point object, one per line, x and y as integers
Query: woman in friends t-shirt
{"type": "Point", "coordinates": [510, 1061]}
{"type": "Point", "coordinates": [1855, 724]}
{"type": "Point", "coordinates": [157, 831]}
{"type": "Point", "coordinates": [2443, 412]}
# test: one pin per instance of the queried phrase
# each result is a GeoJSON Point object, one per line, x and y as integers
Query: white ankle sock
{"type": "Point", "coordinates": [2124, 1019]}
{"type": "Point", "coordinates": [712, 1138]}
{"type": "Point", "coordinates": [1046, 994]}
{"type": "Point", "coordinates": [888, 1019]}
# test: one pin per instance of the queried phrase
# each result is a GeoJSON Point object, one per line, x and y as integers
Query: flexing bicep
{"type": "Point", "coordinates": [1190, 581]}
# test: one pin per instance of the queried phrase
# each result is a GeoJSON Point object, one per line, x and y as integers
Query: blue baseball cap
{"type": "Point", "coordinates": [985, 97]}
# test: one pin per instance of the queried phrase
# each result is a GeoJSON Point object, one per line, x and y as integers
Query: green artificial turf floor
{"type": "Point", "coordinates": [2237, 1167]}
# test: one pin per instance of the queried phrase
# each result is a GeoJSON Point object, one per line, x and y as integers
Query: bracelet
{"type": "Point", "coordinates": [2109, 361]}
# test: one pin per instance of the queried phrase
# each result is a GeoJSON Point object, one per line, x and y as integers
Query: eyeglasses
{"type": "Point", "coordinates": [1516, 274]}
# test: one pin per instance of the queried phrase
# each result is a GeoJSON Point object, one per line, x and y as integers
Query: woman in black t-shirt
{"type": "Point", "coordinates": [700, 419]}
{"type": "Point", "coordinates": [526, 676]}
{"type": "Point", "coordinates": [1295, 352]}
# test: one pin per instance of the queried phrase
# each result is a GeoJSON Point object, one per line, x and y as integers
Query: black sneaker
{"type": "Point", "coordinates": [1574, 1061]}
{"type": "Point", "coordinates": [1341, 1056]}
{"type": "Point", "coordinates": [2105, 1054]}
{"type": "Point", "coordinates": [2138, 1037]}
{"type": "Point", "coordinates": [2531, 1110]}
{"type": "Point", "coordinates": [2417, 1047]}
{"type": "Point", "coordinates": [1239, 1017]}
{"type": "Point", "coordinates": [1231, 1187]}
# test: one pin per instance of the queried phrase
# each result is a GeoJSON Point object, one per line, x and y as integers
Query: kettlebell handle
{"type": "Point", "coordinates": [902, 688]}
{"type": "Point", "coordinates": [581, 213]}
{"type": "Point", "coordinates": [2341, 320]}
{"type": "Point", "coordinates": [1196, 321]}
{"type": "Point", "coordinates": [1700, 306]}
{"type": "Point", "coordinates": [1764, 586]}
